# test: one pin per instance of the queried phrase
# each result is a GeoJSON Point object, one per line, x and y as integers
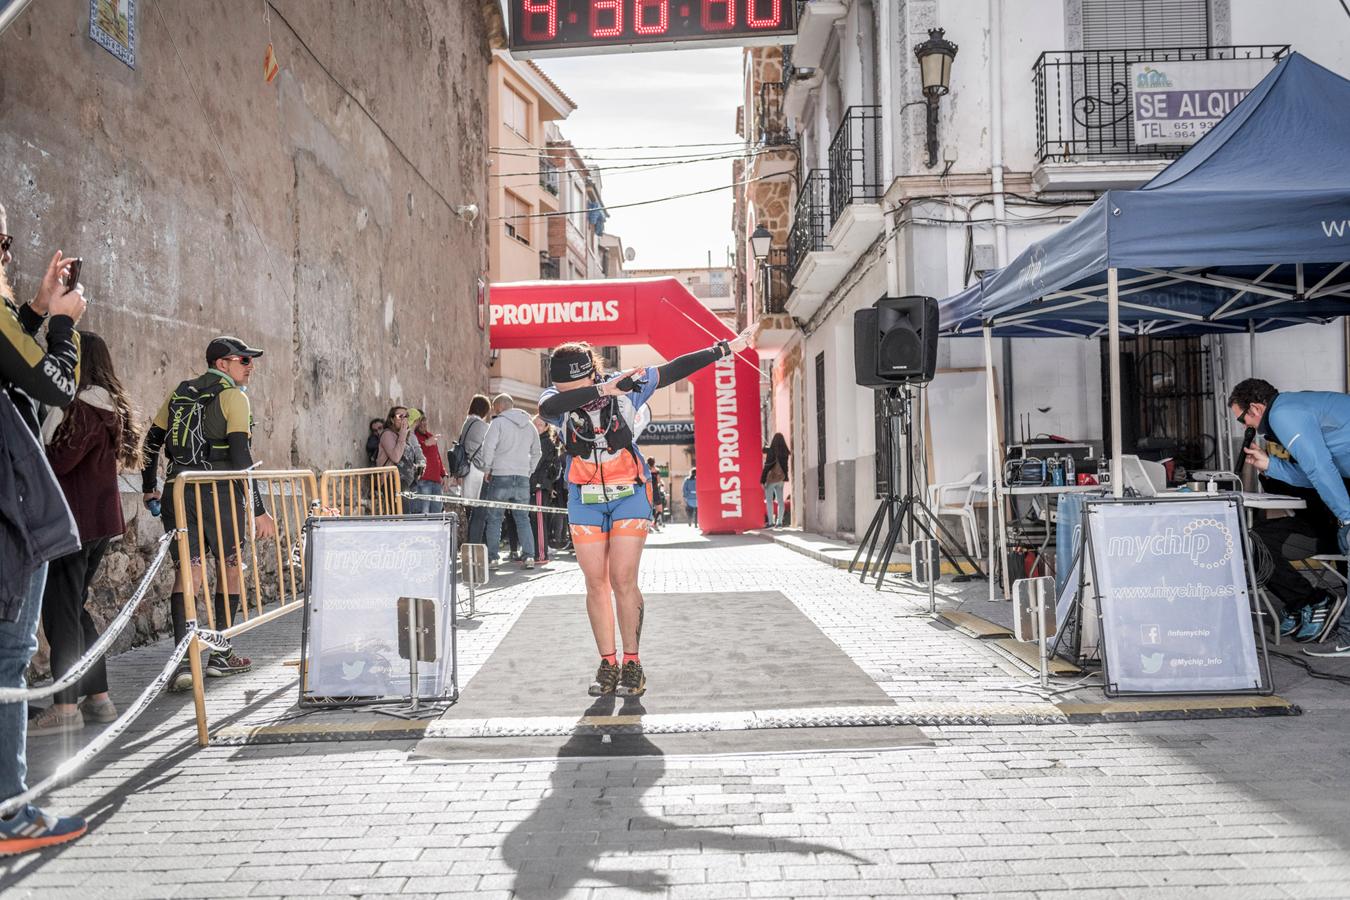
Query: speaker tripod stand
{"type": "Point", "coordinates": [906, 512]}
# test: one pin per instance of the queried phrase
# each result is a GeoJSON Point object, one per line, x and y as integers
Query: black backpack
{"type": "Point", "coordinates": [186, 443]}
{"type": "Point", "coordinates": [457, 458]}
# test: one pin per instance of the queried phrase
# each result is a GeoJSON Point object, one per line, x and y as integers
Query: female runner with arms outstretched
{"type": "Point", "coordinates": [607, 506]}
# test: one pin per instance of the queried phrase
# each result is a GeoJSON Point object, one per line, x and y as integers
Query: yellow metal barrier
{"type": "Point", "coordinates": [213, 512]}
{"type": "Point", "coordinates": [361, 492]}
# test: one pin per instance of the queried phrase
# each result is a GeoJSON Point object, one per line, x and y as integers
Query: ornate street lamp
{"type": "Point", "coordinates": [935, 67]}
{"type": "Point", "coordinates": [760, 241]}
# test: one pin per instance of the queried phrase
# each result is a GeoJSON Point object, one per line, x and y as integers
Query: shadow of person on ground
{"type": "Point", "coordinates": [593, 809]}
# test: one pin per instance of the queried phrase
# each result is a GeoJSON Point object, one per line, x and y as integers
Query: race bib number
{"type": "Point", "coordinates": [601, 493]}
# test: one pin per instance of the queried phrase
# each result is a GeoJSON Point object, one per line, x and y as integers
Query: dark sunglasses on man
{"type": "Point", "coordinates": [242, 360]}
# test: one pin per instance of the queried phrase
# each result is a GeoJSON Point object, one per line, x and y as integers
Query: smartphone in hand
{"type": "Point", "coordinates": [73, 274]}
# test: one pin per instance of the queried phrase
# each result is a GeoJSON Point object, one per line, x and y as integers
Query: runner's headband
{"type": "Point", "coordinates": [571, 366]}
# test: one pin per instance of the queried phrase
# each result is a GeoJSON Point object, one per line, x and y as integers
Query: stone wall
{"type": "Point", "coordinates": [313, 216]}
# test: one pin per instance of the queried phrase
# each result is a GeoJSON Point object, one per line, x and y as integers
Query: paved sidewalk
{"type": "Point", "coordinates": [1219, 808]}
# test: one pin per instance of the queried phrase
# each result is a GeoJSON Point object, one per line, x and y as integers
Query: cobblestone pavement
{"type": "Point", "coordinates": [1218, 808]}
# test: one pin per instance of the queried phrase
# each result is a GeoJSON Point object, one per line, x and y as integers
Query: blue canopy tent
{"type": "Point", "coordinates": [1248, 231]}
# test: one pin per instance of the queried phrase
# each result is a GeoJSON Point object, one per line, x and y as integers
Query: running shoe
{"type": "Point", "coordinates": [1312, 619]}
{"type": "Point", "coordinates": [223, 664]}
{"type": "Point", "coordinates": [181, 680]}
{"type": "Point", "coordinates": [1288, 624]}
{"type": "Point", "coordinates": [1341, 647]}
{"type": "Point", "coordinates": [101, 711]}
{"type": "Point", "coordinates": [632, 683]}
{"type": "Point", "coordinates": [32, 829]}
{"type": "Point", "coordinates": [606, 679]}
{"type": "Point", "coordinates": [53, 721]}
{"type": "Point", "coordinates": [527, 563]}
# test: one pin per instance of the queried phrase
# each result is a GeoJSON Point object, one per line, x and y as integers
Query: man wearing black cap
{"type": "Point", "coordinates": [207, 423]}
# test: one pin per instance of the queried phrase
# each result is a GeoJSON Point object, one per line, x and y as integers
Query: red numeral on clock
{"type": "Point", "coordinates": [772, 20]}
{"type": "Point", "coordinates": [651, 16]}
{"type": "Point", "coordinates": [614, 28]}
{"type": "Point", "coordinates": [535, 11]}
{"type": "Point", "coordinates": [719, 15]}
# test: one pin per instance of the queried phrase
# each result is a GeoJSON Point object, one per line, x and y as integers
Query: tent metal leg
{"type": "Point", "coordinates": [1113, 345]}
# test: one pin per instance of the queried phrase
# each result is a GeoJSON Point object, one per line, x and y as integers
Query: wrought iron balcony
{"type": "Point", "coordinates": [773, 127]}
{"type": "Point", "coordinates": [789, 70]}
{"type": "Point", "coordinates": [550, 267]}
{"type": "Point", "coordinates": [855, 159]}
{"type": "Point", "coordinates": [1085, 107]}
{"type": "Point", "coordinates": [775, 282]}
{"type": "Point", "coordinates": [549, 179]}
{"type": "Point", "coordinates": [811, 219]}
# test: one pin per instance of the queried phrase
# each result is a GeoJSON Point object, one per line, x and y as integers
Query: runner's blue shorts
{"type": "Point", "coordinates": [592, 523]}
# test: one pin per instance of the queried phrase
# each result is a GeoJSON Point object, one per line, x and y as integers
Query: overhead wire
{"type": "Point", "coordinates": [608, 207]}
{"type": "Point", "coordinates": [739, 143]}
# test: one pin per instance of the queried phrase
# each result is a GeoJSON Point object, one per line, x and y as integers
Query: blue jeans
{"type": "Point", "coordinates": [18, 643]}
{"type": "Point", "coordinates": [773, 491]}
{"type": "Point", "coordinates": [508, 489]}
{"type": "Point", "coordinates": [416, 507]}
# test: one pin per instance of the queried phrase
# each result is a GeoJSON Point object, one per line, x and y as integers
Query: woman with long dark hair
{"type": "Point", "coordinates": [773, 476]}
{"type": "Point", "coordinates": [87, 445]}
{"type": "Point", "coordinates": [399, 448]}
{"type": "Point", "coordinates": [607, 506]}
{"type": "Point", "coordinates": [471, 435]}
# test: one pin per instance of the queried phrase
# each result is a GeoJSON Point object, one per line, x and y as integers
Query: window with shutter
{"type": "Point", "coordinates": [1122, 24]}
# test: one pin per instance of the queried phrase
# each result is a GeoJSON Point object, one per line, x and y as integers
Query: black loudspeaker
{"type": "Point", "coordinates": [895, 342]}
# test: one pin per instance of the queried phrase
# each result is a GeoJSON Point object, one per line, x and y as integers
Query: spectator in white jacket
{"type": "Point", "coordinates": [510, 453]}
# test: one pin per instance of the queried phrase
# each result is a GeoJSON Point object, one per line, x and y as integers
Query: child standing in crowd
{"type": "Point", "coordinates": [433, 476]}
{"type": "Point", "coordinates": [373, 440]}
{"type": "Point", "coordinates": [86, 444]}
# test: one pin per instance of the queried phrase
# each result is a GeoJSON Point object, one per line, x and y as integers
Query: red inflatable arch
{"type": "Point", "coordinates": [662, 313]}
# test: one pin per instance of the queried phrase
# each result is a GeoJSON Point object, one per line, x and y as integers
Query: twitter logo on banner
{"type": "Point", "coordinates": [1151, 662]}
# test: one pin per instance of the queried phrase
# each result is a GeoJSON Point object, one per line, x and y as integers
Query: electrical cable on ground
{"type": "Point", "coordinates": [1307, 667]}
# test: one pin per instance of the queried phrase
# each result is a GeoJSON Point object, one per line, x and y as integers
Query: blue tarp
{"type": "Point", "coordinates": [1261, 203]}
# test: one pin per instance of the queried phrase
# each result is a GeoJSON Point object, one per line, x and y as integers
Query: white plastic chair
{"type": "Point", "coordinates": [956, 499]}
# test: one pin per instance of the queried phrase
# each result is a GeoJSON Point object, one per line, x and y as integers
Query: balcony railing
{"type": "Point", "coordinates": [855, 159]}
{"type": "Point", "coordinates": [549, 179]}
{"type": "Point", "coordinates": [775, 283]}
{"type": "Point", "coordinates": [789, 70]}
{"type": "Point", "coordinates": [773, 128]}
{"type": "Point", "coordinates": [811, 220]}
{"type": "Point", "coordinates": [1085, 107]}
{"type": "Point", "coordinates": [550, 267]}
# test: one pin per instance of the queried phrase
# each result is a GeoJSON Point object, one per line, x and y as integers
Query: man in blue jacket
{"type": "Point", "coordinates": [1314, 427]}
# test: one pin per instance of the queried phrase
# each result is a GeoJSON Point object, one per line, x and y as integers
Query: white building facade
{"type": "Point", "coordinates": [1034, 127]}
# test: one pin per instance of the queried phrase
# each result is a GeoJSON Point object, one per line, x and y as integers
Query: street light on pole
{"type": "Point", "coordinates": [935, 68]}
{"type": "Point", "coordinates": [760, 241]}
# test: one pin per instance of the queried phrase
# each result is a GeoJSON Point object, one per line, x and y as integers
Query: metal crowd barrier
{"type": "Point", "coordinates": [361, 492]}
{"type": "Point", "coordinates": [287, 495]}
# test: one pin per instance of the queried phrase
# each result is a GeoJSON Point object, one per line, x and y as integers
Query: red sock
{"type": "Point", "coordinates": [629, 657]}
{"type": "Point", "coordinates": [611, 657]}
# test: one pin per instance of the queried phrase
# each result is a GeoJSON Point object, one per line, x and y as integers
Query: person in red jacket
{"type": "Point", "coordinates": [432, 479]}
{"type": "Point", "coordinates": [87, 443]}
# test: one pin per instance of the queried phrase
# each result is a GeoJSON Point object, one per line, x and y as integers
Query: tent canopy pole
{"type": "Point", "coordinates": [1113, 344]}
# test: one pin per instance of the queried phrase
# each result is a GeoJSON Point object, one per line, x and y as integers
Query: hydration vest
{"type": "Point", "coordinates": [581, 435]}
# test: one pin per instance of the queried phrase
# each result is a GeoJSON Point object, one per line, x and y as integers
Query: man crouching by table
{"type": "Point", "coordinates": [1309, 434]}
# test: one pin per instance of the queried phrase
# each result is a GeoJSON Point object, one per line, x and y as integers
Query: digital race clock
{"type": "Point", "coordinates": [563, 27]}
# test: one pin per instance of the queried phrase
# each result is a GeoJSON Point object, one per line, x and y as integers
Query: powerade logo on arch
{"type": "Point", "coordinates": [580, 312]}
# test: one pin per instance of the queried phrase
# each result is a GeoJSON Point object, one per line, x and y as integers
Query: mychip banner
{"type": "Point", "coordinates": [1171, 584]}
{"type": "Point", "coordinates": [358, 568]}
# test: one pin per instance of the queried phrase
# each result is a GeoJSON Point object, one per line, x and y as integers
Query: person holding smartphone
{"type": "Point", "coordinates": [30, 377]}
